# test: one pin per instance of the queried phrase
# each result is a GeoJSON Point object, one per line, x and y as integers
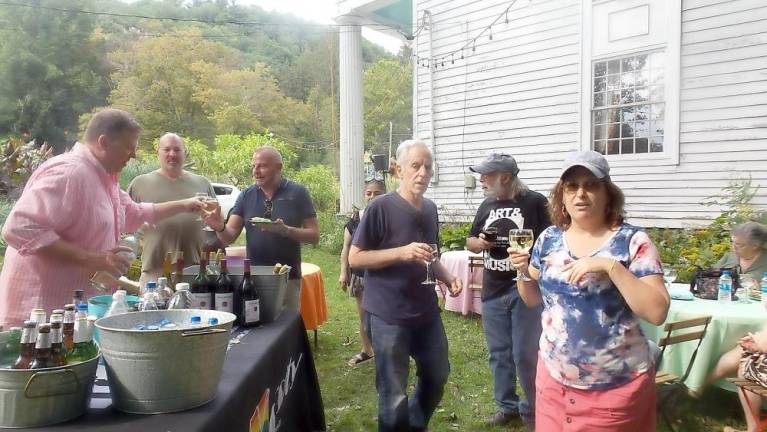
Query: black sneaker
{"type": "Point", "coordinates": [500, 418]}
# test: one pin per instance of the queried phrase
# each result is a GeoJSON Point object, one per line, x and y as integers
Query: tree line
{"type": "Point", "coordinates": [195, 72]}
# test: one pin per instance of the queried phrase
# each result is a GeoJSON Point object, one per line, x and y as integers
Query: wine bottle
{"type": "Point", "coordinates": [200, 287]}
{"type": "Point", "coordinates": [224, 296]}
{"type": "Point", "coordinates": [248, 302]}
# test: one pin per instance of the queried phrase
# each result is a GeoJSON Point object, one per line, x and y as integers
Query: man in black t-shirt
{"type": "Point", "coordinates": [512, 330]}
{"type": "Point", "coordinates": [392, 244]}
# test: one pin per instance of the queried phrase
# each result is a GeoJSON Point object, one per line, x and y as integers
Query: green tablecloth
{"type": "Point", "coordinates": [730, 322]}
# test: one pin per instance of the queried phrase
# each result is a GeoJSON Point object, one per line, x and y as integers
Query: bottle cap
{"type": "Point", "coordinates": [151, 285]}
{"type": "Point", "coordinates": [82, 307]}
{"type": "Point", "coordinates": [726, 272]}
{"type": "Point", "coordinates": [213, 321]}
{"type": "Point", "coordinates": [162, 282]}
{"type": "Point", "coordinates": [58, 312]}
{"type": "Point", "coordinates": [182, 286]}
{"type": "Point", "coordinates": [69, 307]}
{"type": "Point", "coordinates": [196, 320]}
{"type": "Point", "coordinates": [30, 324]}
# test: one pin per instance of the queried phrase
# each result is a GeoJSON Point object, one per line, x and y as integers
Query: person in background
{"type": "Point", "coordinates": [512, 330]}
{"type": "Point", "coordinates": [748, 360]}
{"type": "Point", "coordinates": [287, 217]}
{"type": "Point", "coordinates": [352, 279]}
{"type": "Point", "coordinates": [748, 255]}
{"type": "Point", "coordinates": [67, 223]}
{"type": "Point", "coordinates": [596, 277]}
{"type": "Point", "coordinates": [170, 182]}
{"type": "Point", "coordinates": [392, 244]}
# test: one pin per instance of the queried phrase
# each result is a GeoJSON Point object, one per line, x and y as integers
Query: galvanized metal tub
{"type": "Point", "coordinates": [271, 287]}
{"type": "Point", "coordinates": [41, 397]}
{"type": "Point", "coordinates": [162, 371]}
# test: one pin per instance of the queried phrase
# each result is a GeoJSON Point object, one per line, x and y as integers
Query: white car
{"type": "Point", "coordinates": [227, 195]}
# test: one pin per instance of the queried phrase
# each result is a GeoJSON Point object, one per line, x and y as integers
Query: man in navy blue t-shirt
{"type": "Point", "coordinates": [392, 244]}
{"type": "Point", "coordinates": [289, 212]}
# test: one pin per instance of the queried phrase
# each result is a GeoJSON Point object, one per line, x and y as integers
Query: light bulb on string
{"type": "Point", "coordinates": [490, 36]}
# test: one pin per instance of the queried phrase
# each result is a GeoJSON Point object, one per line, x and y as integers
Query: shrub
{"type": "Point", "coordinates": [322, 185]}
{"type": "Point", "coordinates": [18, 160]}
{"type": "Point", "coordinates": [331, 231]}
{"type": "Point", "coordinates": [453, 235]}
{"type": "Point", "coordinates": [135, 167]}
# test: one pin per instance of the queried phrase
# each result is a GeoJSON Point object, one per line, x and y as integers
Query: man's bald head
{"type": "Point", "coordinates": [266, 167]}
{"type": "Point", "coordinates": [171, 153]}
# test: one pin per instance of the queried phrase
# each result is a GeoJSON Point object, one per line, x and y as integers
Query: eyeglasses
{"type": "Point", "coordinates": [571, 188]}
{"type": "Point", "coordinates": [268, 208]}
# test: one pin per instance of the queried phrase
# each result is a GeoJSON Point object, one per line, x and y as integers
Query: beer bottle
{"type": "Point", "coordinates": [27, 347]}
{"type": "Point", "coordinates": [167, 265]}
{"type": "Point", "coordinates": [82, 350]}
{"type": "Point", "coordinates": [39, 317]}
{"type": "Point", "coordinates": [42, 348]}
{"type": "Point", "coordinates": [248, 309]}
{"type": "Point", "coordinates": [200, 287]}
{"type": "Point", "coordinates": [224, 296]}
{"type": "Point", "coordinates": [68, 327]}
{"type": "Point", "coordinates": [78, 297]}
{"type": "Point", "coordinates": [57, 343]}
{"type": "Point", "coordinates": [179, 275]}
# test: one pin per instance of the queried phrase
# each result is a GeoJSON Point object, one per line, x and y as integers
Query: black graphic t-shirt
{"type": "Point", "coordinates": [528, 211]}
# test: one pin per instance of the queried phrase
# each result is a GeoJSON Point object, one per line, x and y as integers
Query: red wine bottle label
{"type": "Point", "coordinates": [252, 311]}
{"type": "Point", "coordinates": [224, 302]}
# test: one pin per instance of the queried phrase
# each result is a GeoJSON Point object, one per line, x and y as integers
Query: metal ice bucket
{"type": "Point", "coordinates": [162, 371]}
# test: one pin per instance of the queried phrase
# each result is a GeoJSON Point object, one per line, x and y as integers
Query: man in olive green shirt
{"type": "Point", "coordinates": [171, 182]}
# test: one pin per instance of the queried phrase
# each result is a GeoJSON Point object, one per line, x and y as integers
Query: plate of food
{"type": "Point", "coordinates": [259, 220]}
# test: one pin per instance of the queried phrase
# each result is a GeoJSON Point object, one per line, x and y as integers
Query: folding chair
{"type": "Point", "coordinates": [669, 386]}
{"type": "Point", "coordinates": [476, 263]}
{"type": "Point", "coordinates": [745, 385]}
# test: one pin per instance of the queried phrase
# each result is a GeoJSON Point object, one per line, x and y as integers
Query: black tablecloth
{"type": "Point", "coordinates": [272, 366]}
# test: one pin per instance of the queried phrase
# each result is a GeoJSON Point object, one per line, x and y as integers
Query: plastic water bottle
{"type": "Point", "coordinates": [119, 306]}
{"type": "Point", "coordinates": [151, 298]}
{"type": "Point", "coordinates": [763, 285]}
{"type": "Point", "coordinates": [182, 298]}
{"type": "Point", "coordinates": [725, 287]}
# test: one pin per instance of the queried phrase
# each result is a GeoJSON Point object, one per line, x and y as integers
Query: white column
{"type": "Point", "coordinates": [352, 124]}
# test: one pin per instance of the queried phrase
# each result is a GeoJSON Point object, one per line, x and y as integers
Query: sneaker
{"type": "Point", "coordinates": [500, 418]}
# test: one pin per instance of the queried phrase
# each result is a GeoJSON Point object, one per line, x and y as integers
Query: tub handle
{"type": "Point", "coordinates": [202, 332]}
{"type": "Point", "coordinates": [60, 389]}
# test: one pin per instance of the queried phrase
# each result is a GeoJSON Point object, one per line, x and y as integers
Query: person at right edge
{"type": "Point", "coordinates": [597, 277]}
{"type": "Point", "coordinates": [512, 329]}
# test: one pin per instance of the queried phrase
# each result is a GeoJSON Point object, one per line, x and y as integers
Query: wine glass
{"type": "Point", "coordinates": [521, 240]}
{"type": "Point", "coordinates": [669, 274]}
{"type": "Point", "coordinates": [205, 197]}
{"type": "Point", "coordinates": [429, 272]}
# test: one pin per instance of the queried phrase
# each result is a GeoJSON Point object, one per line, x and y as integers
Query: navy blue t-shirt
{"type": "Point", "coordinates": [291, 203]}
{"type": "Point", "coordinates": [395, 293]}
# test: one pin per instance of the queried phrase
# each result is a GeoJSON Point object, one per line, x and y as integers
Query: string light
{"type": "Point", "coordinates": [436, 61]}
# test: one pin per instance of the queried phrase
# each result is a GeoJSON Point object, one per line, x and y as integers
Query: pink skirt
{"type": "Point", "coordinates": [630, 407]}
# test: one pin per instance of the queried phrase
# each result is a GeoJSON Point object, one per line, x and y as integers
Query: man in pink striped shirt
{"type": "Point", "coordinates": [67, 223]}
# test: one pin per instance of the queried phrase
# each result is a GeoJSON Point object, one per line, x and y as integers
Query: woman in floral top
{"type": "Point", "coordinates": [596, 276]}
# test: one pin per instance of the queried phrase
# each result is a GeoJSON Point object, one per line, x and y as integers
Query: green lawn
{"type": "Point", "coordinates": [349, 393]}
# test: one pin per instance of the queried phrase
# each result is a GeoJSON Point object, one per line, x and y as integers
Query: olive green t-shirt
{"type": "Point", "coordinates": [182, 232]}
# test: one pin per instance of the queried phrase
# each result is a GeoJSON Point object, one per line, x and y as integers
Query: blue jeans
{"type": "Point", "coordinates": [512, 332]}
{"type": "Point", "coordinates": [393, 346]}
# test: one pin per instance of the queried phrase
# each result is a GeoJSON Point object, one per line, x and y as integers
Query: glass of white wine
{"type": "Point", "coordinates": [521, 240]}
{"type": "Point", "coordinates": [429, 272]}
{"type": "Point", "coordinates": [205, 197]}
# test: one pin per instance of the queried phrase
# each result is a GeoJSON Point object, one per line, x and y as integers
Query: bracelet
{"type": "Point", "coordinates": [612, 266]}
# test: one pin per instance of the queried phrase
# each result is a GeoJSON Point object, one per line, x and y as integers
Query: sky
{"type": "Point", "coordinates": [322, 11]}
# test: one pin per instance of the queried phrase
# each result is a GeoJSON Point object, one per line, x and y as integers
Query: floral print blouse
{"type": "Point", "coordinates": [591, 339]}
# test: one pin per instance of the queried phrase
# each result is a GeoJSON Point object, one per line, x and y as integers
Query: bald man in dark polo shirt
{"type": "Point", "coordinates": [287, 204]}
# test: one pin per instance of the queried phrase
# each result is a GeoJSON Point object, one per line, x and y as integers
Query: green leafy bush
{"type": "Point", "coordinates": [228, 160]}
{"type": "Point", "coordinates": [331, 231]}
{"type": "Point", "coordinates": [136, 167]}
{"type": "Point", "coordinates": [322, 184]}
{"type": "Point", "coordinates": [18, 160]}
{"type": "Point", "coordinates": [453, 235]}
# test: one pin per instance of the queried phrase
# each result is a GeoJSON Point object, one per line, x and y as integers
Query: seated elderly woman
{"type": "Point", "coordinates": [748, 255]}
{"type": "Point", "coordinates": [748, 359]}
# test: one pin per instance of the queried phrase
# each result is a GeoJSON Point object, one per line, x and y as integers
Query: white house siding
{"type": "Point", "coordinates": [520, 93]}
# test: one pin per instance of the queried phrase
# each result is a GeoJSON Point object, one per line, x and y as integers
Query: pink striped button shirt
{"type": "Point", "coordinates": [69, 197]}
